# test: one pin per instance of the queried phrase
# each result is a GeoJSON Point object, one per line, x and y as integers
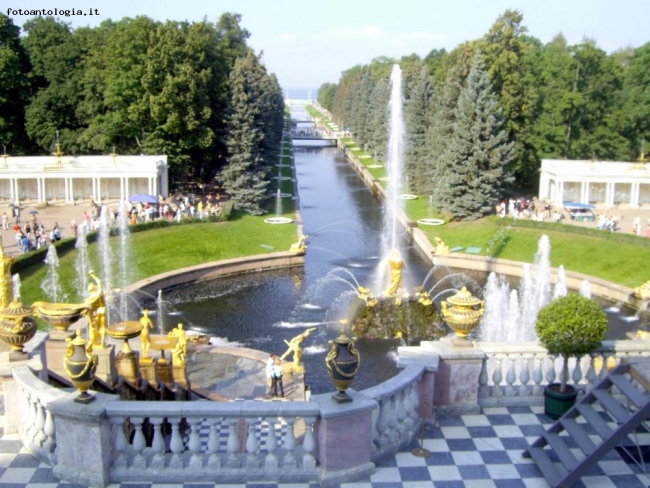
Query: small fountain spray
{"type": "Point", "coordinates": [82, 262]}
{"type": "Point", "coordinates": [51, 285]}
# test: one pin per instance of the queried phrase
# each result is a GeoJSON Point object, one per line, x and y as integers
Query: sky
{"type": "Point", "coordinates": [308, 43]}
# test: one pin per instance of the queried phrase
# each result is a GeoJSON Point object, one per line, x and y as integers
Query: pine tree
{"type": "Point", "coordinates": [476, 160]}
{"type": "Point", "coordinates": [245, 177]}
{"type": "Point", "coordinates": [417, 119]}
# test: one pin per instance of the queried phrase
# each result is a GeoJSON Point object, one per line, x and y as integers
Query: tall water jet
{"type": "Point", "coordinates": [105, 251]}
{"type": "Point", "coordinates": [51, 285]}
{"type": "Point", "coordinates": [124, 278]}
{"type": "Point", "coordinates": [395, 162]}
{"type": "Point", "coordinates": [82, 262]}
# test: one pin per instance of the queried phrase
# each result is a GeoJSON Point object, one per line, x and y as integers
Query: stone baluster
{"type": "Point", "coordinates": [234, 444]}
{"type": "Point", "coordinates": [538, 375]}
{"type": "Point", "coordinates": [604, 371]}
{"type": "Point", "coordinates": [120, 443]}
{"type": "Point", "coordinates": [497, 376]}
{"type": "Point", "coordinates": [214, 461]}
{"type": "Point", "coordinates": [289, 443]}
{"type": "Point", "coordinates": [309, 444]}
{"type": "Point", "coordinates": [392, 421]}
{"type": "Point", "coordinates": [175, 443]}
{"type": "Point", "coordinates": [48, 428]}
{"type": "Point", "coordinates": [39, 422]}
{"type": "Point", "coordinates": [271, 461]}
{"type": "Point", "coordinates": [550, 371]}
{"type": "Point", "coordinates": [400, 402]}
{"type": "Point", "coordinates": [591, 376]}
{"type": "Point", "coordinates": [511, 376]}
{"type": "Point", "coordinates": [374, 430]}
{"type": "Point", "coordinates": [382, 423]}
{"type": "Point", "coordinates": [138, 443]}
{"type": "Point", "coordinates": [577, 375]}
{"type": "Point", "coordinates": [30, 418]}
{"type": "Point", "coordinates": [157, 443]}
{"type": "Point", "coordinates": [252, 443]}
{"type": "Point", "coordinates": [412, 406]}
{"type": "Point", "coordinates": [194, 443]}
{"type": "Point", "coordinates": [524, 376]}
{"type": "Point", "coordinates": [483, 378]}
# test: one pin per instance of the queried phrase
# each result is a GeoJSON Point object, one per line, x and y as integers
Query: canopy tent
{"type": "Point", "coordinates": [142, 198]}
{"type": "Point", "coordinates": [578, 205]}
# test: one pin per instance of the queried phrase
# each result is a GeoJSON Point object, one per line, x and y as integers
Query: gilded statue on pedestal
{"type": "Point", "coordinates": [6, 285]}
{"type": "Point", "coordinates": [294, 346]}
{"type": "Point", "coordinates": [396, 266]}
{"type": "Point", "coordinates": [179, 353]}
{"type": "Point", "coordinates": [97, 315]}
{"type": "Point", "coordinates": [299, 247]}
{"type": "Point", "coordinates": [441, 249]}
{"type": "Point", "coordinates": [145, 343]}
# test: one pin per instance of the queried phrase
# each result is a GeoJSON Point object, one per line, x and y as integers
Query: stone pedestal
{"type": "Point", "coordinates": [83, 436]}
{"type": "Point", "coordinates": [427, 385]}
{"type": "Point", "coordinates": [163, 367]}
{"type": "Point", "coordinates": [457, 379]}
{"type": "Point", "coordinates": [344, 441]}
{"type": "Point", "coordinates": [106, 364]}
{"type": "Point", "coordinates": [148, 370]}
{"type": "Point", "coordinates": [127, 366]}
{"type": "Point", "coordinates": [180, 374]}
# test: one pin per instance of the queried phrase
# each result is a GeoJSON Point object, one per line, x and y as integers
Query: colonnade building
{"type": "Point", "coordinates": [605, 184]}
{"type": "Point", "coordinates": [69, 179]}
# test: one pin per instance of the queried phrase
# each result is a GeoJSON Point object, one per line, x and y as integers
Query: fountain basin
{"type": "Point", "coordinates": [60, 315]}
{"type": "Point", "coordinates": [407, 196]}
{"type": "Point", "coordinates": [375, 166]}
{"type": "Point", "coordinates": [278, 220]}
{"type": "Point", "coordinates": [428, 221]}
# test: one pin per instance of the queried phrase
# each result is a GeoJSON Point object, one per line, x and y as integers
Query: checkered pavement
{"type": "Point", "coordinates": [466, 451]}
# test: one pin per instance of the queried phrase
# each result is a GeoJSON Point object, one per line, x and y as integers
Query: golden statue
{"type": "Point", "coordinates": [6, 285]}
{"type": "Point", "coordinates": [97, 315]}
{"type": "Point", "coordinates": [145, 343]}
{"type": "Point", "coordinates": [441, 249]}
{"type": "Point", "coordinates": [423, 296]}
{"type": "Point", "coordinates": [179, 353]}
{"type": "Point", "coordinates": [366, 295]}
{"type": "Point", "coordinates": [396, 266]}
{"type": "Point", "coordinates": [299, 247]}
{"type": "Point", "coordinates": [294, 346]}
{"type": "Point", "coordinates": [643, 291]}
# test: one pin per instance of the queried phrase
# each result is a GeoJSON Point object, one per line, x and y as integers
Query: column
{"type": "Point", "coordinates": [634, 195]}
{"type": "Point", "coordinates": [544, 187]}
{"type": "Point", "coordinates": [94, 192]}
{"type": "Point", "coordinates": [559, 195]}
{"type": "Point", "coordinates": [609, 194]}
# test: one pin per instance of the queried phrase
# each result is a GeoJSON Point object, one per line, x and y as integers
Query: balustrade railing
{"type": "Point", "coordinates": [36, 430]}
{"type": "Point", "coordinates": [514, 373]}
{"type": "Point", "coordinates": [396, 422]}
{"type": "Point", "coordinates": [198, 441]}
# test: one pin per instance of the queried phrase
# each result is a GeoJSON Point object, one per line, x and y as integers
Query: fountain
{"type": "Point", "coordinates": [51, 284]}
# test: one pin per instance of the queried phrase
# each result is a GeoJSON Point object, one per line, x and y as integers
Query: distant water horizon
{"type": "Point", "coordinates": [301, 93]}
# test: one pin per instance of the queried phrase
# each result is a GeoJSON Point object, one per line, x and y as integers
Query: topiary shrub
{"type": "Point", "coordinates": [571, 326]}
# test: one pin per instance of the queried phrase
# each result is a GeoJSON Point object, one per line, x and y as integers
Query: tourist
{"type": "Point", "coordinates": [5, 221]}
{"type": "Point", "coordinates": [17, 213]}
{"type": "Point", "coordinates": [73, 228]}
{"type": "Point", "coordinates": [277, 378]}
{"type": "Point", "coordinates": [270, 362]}
{"type": "Point", "coordinates": [56, 232]}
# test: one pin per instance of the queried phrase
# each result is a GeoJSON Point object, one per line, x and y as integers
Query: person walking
{"type": "Point", "coordinates": [5, 221]}
{"type": "Point", "coordinates": [269, 374]}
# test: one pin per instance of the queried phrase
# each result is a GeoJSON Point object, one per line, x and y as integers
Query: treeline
{"type": "Point", "coordinates": [481, 117]}
{"type": "Point", "coordinates": [193, 91]}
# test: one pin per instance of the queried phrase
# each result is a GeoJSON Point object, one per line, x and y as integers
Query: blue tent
{"type": "Point", "coordinates": [142, 198]}
{"type": "Point", "coordinates": [578, 205]}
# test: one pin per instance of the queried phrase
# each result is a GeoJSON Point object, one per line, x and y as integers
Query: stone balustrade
{"type": "Point", "coordinates": [517, 373]}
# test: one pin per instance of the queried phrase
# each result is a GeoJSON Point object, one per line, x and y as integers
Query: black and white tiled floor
{"type": "Point", "coordinates": [466, 451]}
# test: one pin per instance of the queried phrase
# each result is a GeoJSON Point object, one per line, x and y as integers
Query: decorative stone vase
{"type": "Point", "coordinates": [342, 361]}
{"type": "Point", "coordinates": [80, 365]}
{"type": "Point", "coordinates": [16, 328]}
{"type": "Point", "coordinates": [462, 312]}
{"type": "Point", "coordinates": [60, 316]}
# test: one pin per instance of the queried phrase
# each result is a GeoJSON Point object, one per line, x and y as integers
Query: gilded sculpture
{"type": "Point", "coordinates": [396, 269]}
{"type": "Point", "coordinates": [6, 285]}
{"type": "Point", "coordinates": [294, 346]}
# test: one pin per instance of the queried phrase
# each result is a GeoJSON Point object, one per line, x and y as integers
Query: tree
{"type": "Point", "coordinates": [326, 94]}
{"type": "Point", "coordinates": [254, 131]}
{"type": "Point", "coordinates": [417, 118]}
{"type": "Point", "coordinates": [474, 165]}
{"type": "Point", "coordinates": [14, 87]}
{"type": "Point", "coordinates": [637, 98]}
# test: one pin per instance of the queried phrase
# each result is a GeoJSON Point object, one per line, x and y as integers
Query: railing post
{"type": "Point", "coordinates": [344, 436]}
{"type": "Point", "coordinates": [84, 442]}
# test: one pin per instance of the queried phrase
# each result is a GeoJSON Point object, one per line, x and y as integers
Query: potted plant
{"type": "Point", "coordinates": [569, 326]}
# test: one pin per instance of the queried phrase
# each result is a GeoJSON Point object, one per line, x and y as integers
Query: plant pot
{"type": "Point", "coordinates": [557, 403]}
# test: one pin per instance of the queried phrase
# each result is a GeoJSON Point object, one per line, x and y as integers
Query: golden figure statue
{"type": "Point", "coordinates": [145, 343]}
{"type": "Point", "coordinates": [299, 247]}
{"type": "Point", "coordinates": [366, 295]}
{"type": "Point", "coordinates": [423, 296]}
{"type": "Point", "coordinates": [643, 291]}
{"type": "Point", "coordinates": [179, 353]}
{"type": "Point", "coordinates": [294, 346]}
{"type": "Point", "coordinates": [97, 315]}
{"type": "Point", "coordinates": [6, 285]}
{"type": "Point", "coordinates": [396, 266]}
{"type": "Point", "coordinates": [441, 248]}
